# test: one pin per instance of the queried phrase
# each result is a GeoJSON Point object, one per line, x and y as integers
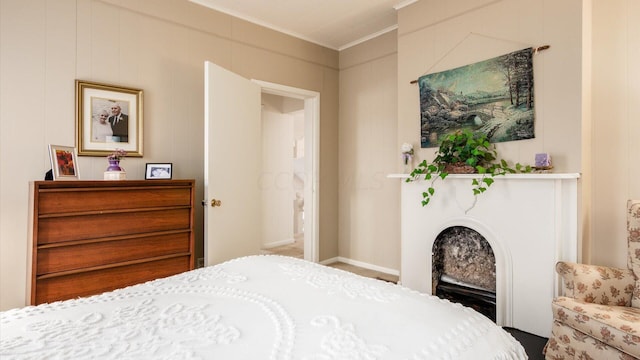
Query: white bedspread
{"type": "Point", "coordinates": [258, 307]}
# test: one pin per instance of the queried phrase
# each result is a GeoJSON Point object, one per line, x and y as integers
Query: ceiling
{"type": "Point", "coordinates": [336, 24]}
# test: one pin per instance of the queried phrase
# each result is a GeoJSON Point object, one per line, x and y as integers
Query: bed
{"type": "Point", "coordinates": [256, 307]}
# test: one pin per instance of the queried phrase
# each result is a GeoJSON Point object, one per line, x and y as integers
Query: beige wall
{"type": "Point", "coordinates": [435, 35]}
{"type": "Point", "coordinates": [614, 125]}
{"type": "Point", "coordinates": [369, 203]}
{"type": "Point", "coordinates": [586, 84]}
{"type": "Point", "coordinates": [159, 46]}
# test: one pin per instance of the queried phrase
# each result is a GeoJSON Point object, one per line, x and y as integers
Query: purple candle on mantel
{"type": "Point", "coordinates": [543, 160]}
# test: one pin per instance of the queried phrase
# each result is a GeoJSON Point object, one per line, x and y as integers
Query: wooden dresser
{"type": "Point", "coordinates": [94, 236]}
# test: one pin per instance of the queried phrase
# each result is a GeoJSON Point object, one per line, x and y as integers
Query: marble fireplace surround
{"type": "Point", "coordinates": [530, 221]}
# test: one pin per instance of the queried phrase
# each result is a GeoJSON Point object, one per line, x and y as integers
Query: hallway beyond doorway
{"type": "Point", "coordinates": [295, 250]}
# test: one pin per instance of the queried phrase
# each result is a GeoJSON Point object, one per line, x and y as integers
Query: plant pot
{"type": "Point", "coordinates": [459, 168]}
{"type": "Point", "coordinates": [114, 171]}
{"type": "Point", "coordinates": [114, 165]}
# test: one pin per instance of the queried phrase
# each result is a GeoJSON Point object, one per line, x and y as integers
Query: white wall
{"type": "Point", "coordinates": [277, 176]}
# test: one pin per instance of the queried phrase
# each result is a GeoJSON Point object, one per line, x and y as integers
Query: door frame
{"type": "Point", "coordinates": [311, 160]}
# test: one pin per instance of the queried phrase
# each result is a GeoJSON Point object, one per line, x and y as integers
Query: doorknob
{"type": "Point", "coordinates": [216, 203]}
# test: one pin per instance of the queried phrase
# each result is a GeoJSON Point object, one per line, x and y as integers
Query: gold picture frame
{"type": "Point", "coordinates": [108, 117]}
{"type": "Point", "coordinates": [64, 162]}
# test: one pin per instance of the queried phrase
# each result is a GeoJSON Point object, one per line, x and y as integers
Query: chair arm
{"type": "Point", "coordinates": [597, 284]}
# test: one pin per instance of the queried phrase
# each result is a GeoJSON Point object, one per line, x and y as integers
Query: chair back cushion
{"type": "Point", "coordinates": [633, 237]}
{"type": "Point", "coordinates": [597, 284]}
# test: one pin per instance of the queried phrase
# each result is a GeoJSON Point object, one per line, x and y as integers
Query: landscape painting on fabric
{"type": "Point", "coordinates": [493, 97]}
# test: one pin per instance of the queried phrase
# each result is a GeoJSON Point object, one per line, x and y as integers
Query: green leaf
{"type": "Point", "coordinates": [431, 191]}
{"type": "Point", "coordinates": [488, 181]}
{"type": "Point", "coordinates": [475, 182]}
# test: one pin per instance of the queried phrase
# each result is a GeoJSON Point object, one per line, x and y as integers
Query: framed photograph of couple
{"type": "Point", "coordinates": [108, 117]}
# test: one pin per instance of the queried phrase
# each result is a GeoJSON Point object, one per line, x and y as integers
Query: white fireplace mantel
{"type": "Point", "coordinates": [530, 221]}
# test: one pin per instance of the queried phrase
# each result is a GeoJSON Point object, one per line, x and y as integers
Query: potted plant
{"type": "Point", "coordinates": [464, 152]}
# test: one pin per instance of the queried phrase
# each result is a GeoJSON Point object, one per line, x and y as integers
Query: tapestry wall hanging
{"type": "Point", "coordinates": [493, 97]}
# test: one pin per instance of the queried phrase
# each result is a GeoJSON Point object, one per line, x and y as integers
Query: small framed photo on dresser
{"type": "Point", "coordinates": [64, 162]}
{"type": "Point", "coordinates": [158, 171]}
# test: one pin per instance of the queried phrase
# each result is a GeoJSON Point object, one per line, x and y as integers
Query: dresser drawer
{"type": "Point", "coordinates": [95, 282]}
{"type": "Point", "coordinates": [69, 228]}
{"type": "Point", "coordinates": [92, 254]}
{"type": "Point", "coordinates": [94, 236]}
{"type": "Point", "coordinates": [77, 200]}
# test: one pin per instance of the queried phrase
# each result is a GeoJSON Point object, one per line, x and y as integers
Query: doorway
{"type": "Point", "coordinates": [300, 195]}
{"type": "Point", "coordinates": [283, 176]}
{"type": "Point", "coordinates": [233, 164]}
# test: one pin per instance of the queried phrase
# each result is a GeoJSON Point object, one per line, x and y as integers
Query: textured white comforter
{"type": "Point", "coordinates": [258, 307]}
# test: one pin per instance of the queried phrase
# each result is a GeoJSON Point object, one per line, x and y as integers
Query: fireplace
{"type": "Point", "coordinates": [529, 220]}
{"type": "Point", "coordinates": [464, 270]}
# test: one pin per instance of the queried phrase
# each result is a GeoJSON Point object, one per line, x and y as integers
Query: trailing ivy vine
{"type": "Point", "coordinates": [464, 152]}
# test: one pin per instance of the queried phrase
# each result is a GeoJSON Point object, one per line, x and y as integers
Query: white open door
{"type": "Point", "coordinates": [232, 165]}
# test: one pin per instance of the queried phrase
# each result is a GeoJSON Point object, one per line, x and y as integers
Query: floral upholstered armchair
{"type": "Point", "coordinates": [599, 316]}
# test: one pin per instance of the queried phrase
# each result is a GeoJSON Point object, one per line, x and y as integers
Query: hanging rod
{"type": "Point", "coordinates": [533, 51]}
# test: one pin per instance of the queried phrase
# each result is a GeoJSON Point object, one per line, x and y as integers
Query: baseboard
{"type": "Point", "coordinates": [278, 243]}
{"type": "Point", "coordinates": [361, 264]}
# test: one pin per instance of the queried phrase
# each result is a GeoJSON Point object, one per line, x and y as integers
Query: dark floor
{"type": "Point", "coordinates": [532, 344]}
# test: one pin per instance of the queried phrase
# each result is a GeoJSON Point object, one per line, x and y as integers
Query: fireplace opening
{"type": "Point", "coordinates": [464, 269]}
